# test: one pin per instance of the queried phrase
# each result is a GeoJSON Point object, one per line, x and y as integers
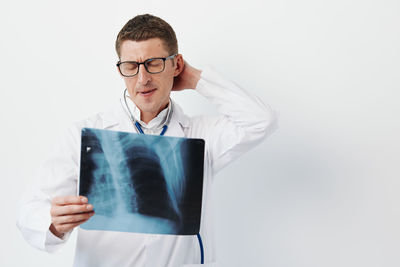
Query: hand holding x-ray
{"type": "Point", "coordinates": [67, 212]}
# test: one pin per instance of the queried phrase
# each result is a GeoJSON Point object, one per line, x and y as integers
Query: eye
{"type": "Point", "coordinates": [130, 66]}
{"type": "Point", "coordinates": [154, 62]}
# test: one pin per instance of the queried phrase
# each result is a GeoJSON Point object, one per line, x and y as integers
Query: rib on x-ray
{"type": "Point", "coordinates": [142, 183]}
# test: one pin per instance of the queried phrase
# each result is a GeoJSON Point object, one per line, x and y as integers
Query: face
{"type": "Point", "coordinates": [149, 92]}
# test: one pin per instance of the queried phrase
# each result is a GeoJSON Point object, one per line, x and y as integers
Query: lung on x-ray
{"type": "Point", "coordinates": [142, 183]}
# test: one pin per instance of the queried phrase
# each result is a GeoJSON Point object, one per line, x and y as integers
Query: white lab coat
{"type": "Point", "coordinates": [243, 122]}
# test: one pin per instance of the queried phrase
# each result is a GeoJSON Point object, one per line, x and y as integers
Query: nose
{"type": "Point", "coordinates": [143, 76]}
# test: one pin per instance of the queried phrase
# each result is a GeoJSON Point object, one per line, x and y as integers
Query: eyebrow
{"type": "Point", "coordinates": [143, 60]}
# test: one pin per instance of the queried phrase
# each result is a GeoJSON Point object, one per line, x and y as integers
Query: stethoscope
{"type": "Point", "coordinates": [137, 125]}
{"type": "Point", "coordinates": [165, 127]}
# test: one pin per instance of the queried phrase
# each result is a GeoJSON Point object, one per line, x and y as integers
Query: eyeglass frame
{"type": "Point", "coordinates": [144, 63]}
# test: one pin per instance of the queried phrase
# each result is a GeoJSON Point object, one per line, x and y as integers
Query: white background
{"type": "Point", "coordinates": [323, 190]}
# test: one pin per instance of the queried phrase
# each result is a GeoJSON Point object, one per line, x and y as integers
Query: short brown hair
{"type": "Point", "coordinates": [144, 27]}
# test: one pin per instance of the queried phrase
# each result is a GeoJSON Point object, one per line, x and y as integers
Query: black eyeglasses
{"type": "Point", "coordinates": [152, 65]}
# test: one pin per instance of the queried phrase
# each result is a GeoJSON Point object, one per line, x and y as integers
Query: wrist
{"type": "Point", "coordinates": [53, 229]}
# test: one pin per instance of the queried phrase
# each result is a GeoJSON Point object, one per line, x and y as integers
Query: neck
{"type": "Point", "coordinates": [146, 117]}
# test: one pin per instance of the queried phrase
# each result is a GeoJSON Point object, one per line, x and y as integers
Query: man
{"type": "Point", "coordinates": [151, 67]}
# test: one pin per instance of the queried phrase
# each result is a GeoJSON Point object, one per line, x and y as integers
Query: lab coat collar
{"type": "Point", "coordinates": [117, 118]}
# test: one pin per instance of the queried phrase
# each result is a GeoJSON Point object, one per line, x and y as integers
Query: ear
{"type": "Point", "coordinates": [179, 66]}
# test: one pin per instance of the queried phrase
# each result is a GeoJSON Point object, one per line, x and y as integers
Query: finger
{"type": "Point", "coordinates": [64, 228]}
{"type": "Point", "coordinates": [66, 200]}
{"type": "Point", "coordinates": [67, 219]}
{"type": "Point", "coordinates": [70, 209]}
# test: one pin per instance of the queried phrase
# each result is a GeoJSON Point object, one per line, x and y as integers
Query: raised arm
{"type": "Point", "coordinates": [243, 122]}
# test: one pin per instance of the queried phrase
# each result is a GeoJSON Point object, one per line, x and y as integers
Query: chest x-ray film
{"type": "Point", "coordinates": [142, 183]}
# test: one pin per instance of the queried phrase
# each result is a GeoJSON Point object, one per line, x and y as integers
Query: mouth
{"type": "Point", "coordinates": [147, 92]}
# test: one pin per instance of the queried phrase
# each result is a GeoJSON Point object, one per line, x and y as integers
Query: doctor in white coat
{"type": "Point", "coordinates": [151, 67]}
